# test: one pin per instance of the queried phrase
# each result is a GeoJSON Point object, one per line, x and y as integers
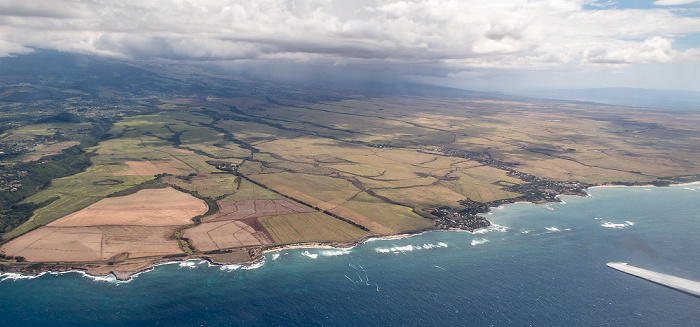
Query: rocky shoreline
{"type": "Point", "coordinates": [448, 218]}
{"type": "Point", "coordinates": [127, 269]}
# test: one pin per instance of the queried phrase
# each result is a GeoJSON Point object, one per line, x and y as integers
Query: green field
{"type": "Point", "coordinates": [379, 162]}
{"type": "Point", "coordinates": [310, 227]}
{"type": "Point", "coordinates": [250, 191]}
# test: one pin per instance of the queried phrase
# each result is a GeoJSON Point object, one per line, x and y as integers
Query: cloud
{"type": "Point", "coordinates": [454, 34]}
{"type": "Point", "coordinates": [654, 50]}
{"type": "Point", "coordinates": [45, 9]}
{"type": "Point", "coordinates": [674, 2]}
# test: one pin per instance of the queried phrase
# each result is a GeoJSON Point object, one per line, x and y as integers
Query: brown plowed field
{"type": "Point", "coordinates": [236, 224]}
{"type": "Point", "coordinates": [139, 224]}
{"type": "Point", "coordinates": [97, 243]}
{"type": "Point", "coordinates": [150, 207]}
{"type": "Point", "coordinates": [236, 210]}
{"type": "Point", "coordinates": [228, 234]}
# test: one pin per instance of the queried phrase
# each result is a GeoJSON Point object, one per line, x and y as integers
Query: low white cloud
{"type": "Point", "coordinates": [449, 33]}
{"type": "Point", "coordinates": [654, 50]}
{"type": "Point", "coordinates": [674, 2]}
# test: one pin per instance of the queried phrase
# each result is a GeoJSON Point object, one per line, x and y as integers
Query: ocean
{"type": "Point", "coordinates": [540, 265]}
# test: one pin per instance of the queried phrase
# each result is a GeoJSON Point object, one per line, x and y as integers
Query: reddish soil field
{"type": "Point", "coordinates": [150, 207]}
{"type": "Point", "coordinates": [236, 210]}
{"type": "Point", "coordinates": [236, 224]}
{"type": "Point", "coordinates": [97, 243]}
{"type": "Point", "coordinates": [228, 234]}
{"type": "Point", "coordinates": [139, 224]}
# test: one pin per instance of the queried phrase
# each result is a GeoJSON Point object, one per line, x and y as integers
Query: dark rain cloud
{"type": "Point", "coordinates": [452, 37]}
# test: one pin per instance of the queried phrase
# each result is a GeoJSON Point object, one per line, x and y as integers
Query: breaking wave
{"type": "Point", "coordinates": [16, 276]}
{"type": "Point", "coordinates": [478, 242]}
{"type": "Point", "coordinates": [333, 253]}
{"type": "Point", "coordinates": [613, 225]}
{"type": "Point", "coordinates": [310, 255]}
{"type": "Point", "coordinates": [492, 228]}
{"type": "Point", "coordinates": [609, 224]}
{"type": "Point", "coordinates": [250, 266]}
{"type": "Point", "coordinates": [409, 248]}
{"type": "Point", "coordinates": [188, 264]}
{"type": "Point", "coordinates": [391, 238]}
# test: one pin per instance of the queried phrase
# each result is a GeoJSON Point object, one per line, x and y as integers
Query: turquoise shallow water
{"type": "Point", "coordinates": [541, 265]}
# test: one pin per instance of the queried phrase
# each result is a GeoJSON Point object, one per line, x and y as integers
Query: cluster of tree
{"type": "Point", "coordinates": [38, 177]}
{"type": "Point", "coordinates": [9, 257]}
{"type": "Point", "coordinates": [16, 214]}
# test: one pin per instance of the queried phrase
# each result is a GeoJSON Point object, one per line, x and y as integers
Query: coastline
{"type": "Point", "coordinates": [104, 271]}
{"type": "Point", "coordinates": [127, 270]}
{"type": "Point", "coordinates": [645, 185]}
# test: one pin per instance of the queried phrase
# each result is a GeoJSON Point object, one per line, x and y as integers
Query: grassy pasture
{"type": "Point", "coordinates": [310, 227]}
{"type": "Point", "coordinates": [255, 133]}
{"type": "Point", "coordinates": [210, 141]}
{"type": "Point", "coordinates": [250, 168]}
{"type": "Point", "coordinates": [477, 184]}
{"type": "Point", "coordinates": [74, 193]}
{"type": "Point", "coordinates": [379, 183]}
{"type": "Point", "coordinates": [306, 150]}
{"type": "Point", "coordinates": [422, 196]}
{"type": "Point", "coordinates": [395, 217]}
{"type": "Point", "coordinates": [211, 185]}
{"type": "Point", "coordinates": [135, 145]}
{"type": "Point", "coordinates": [29, 132]}
{"type": "Point", "coordinates": [320, 191]}
{"type": "Point", "coordinates": [250, 191]}
{"type": "Point", "coordinates": [47, 149]}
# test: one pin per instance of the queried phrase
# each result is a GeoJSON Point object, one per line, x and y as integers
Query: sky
{"type": "Point", "coordinates": [491, 45]}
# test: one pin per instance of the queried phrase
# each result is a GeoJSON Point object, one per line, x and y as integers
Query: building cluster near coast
{"type": "Point", "coordinates": [447, 219]}
{"type": "Point", "coordinates": [153, 166]}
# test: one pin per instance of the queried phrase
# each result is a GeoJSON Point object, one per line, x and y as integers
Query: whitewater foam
{"type": "Point", "coordinates": [609, 224]}
{"type": "Point", "coordinates": [188, 264]}
{"type": "Point", "coordinates": [410, 247]}
{"type": "Point", "coordinates": [492, 228]}
{"type": "Point", "coordinates": [333, 253]}
{"type": "Point", "coordinates": [310, 255]}
{"type": "Point", "coordinates": [230, 267]}
{"type": "Point", "coordinates": [552, 229]}
{"type": "Point", "coordinates": [254, 265]}
{"type": "Point", "coordinates": [17, 276]}
{"type": "Point", "coordinates": [391, 238]}
{"type": "Point", "coordinates": [478, 242]}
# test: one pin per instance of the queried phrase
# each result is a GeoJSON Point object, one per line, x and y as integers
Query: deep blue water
{"type": "Point", "coordinates": [544, 265]}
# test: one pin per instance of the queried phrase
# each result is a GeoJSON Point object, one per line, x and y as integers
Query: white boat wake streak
{"type": "Point", "coordinates": [673, 282]}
